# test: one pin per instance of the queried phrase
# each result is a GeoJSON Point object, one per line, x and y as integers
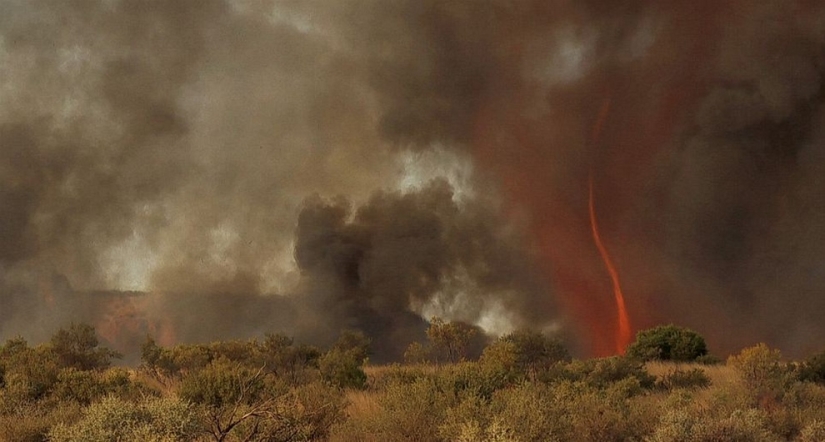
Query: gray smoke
{"type": "Point", "coordinates": [175, 147]}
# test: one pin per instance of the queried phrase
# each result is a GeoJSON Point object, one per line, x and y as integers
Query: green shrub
{"type": "Point", "coordinates": [223, 383]}
{"type": "Point", "coordinates": [30, 374]}
{"type": "Point", "coordinates": [78, 347]}
{"type": "Point", "coordinates": [813, 369]}
{"type": "Point", "coordinates": [342, 368]}
{"type": "Point", "coordinates": [668, 343]}
{"type": "Point", "coordinates": [523, 354]}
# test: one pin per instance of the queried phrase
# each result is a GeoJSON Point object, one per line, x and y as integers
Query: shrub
{"type": "Point", "coordinates": [761, 369]}
{"type": "Point", "coordinates": [290, 361]}
{"type": "Point", "coordinates": [223, 382]}
{"type": "Point", "coordinates": [78, 347]}
{"type": "Point", "coordinates": [523, 354]}
{"type": "Point", "coordinates": [30, 374]}
{"type": "Point", "coordinates": [157, 419]}
{"type": "Point", "coordinates": [342, 368]}
{"type": "Point", "coordinates": [668, 343]}
{"type": "Point", "coordinates": [451, 339]}
{"type": "Point", "coordinates": [813, 432]}
{"type": "Point", "coordinates": [693, 378]}
{"type": "Point", "coordinates": [306, 413]}
{"type": "Point", "coordinates": [683, 425]}
{"type": "Point", "coordinates": [410, 412]}
{"type": "Point", "coordinates": [813, 369]}
{"type": "Point", "coordinates": [416, 353]}
{"type": "Point", "coordinates": [602, 372]}
{"type": "Point", "coordinates": [31, 422]}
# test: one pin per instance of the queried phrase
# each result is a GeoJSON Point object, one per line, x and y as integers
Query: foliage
{"type": "Point", "coordinates": [683, 425]}
{"type": "Point", "coordinates": [523, 354]}
{"type": "Point", "coordinates": [286, 359]}
{"type": "Point", "coordinates": [342, 368]}
{"type": "Point", "coordinates": [342, 365]}
{"type": "Point", "coordinates": [668, 343]}
{"type": "Point", "coordinates": [761, 369]}
{"type": "Point", "coordinates": [603, 372]}
{"type": "Point", "coordinates": [813, 369]}
{"type": "Point", "coordinates": [417, 353]}
{"type": "Point", "coordinates": [523, 388]}
{"type": "Point", "coordinates": [278, 355]}
{"type": "Point", "coordinates": [452, 339]}
{"type": "Point", "coordinates": [156, 419]}
{"type": "Point", "coordinates": [32, 422]}
{"type": "Point", "coordinates": [223, 382]}
{"type": "Point", "coordinates": [678, 378]}
{"type": "Point", "coordinates": [30, 373]}
{"type": "Point", "coordinates": [78, 347]}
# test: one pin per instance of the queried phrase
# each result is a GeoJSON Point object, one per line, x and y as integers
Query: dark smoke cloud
{"type": "Point", "coordinates": [409, 250]}
{"type": "Point", "coordinates": [170, 147]}
{"type": "Point", "coordinates": [708, 181]}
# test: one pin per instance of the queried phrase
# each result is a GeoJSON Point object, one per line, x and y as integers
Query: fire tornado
{"type": "Point", "coordinates": [623, 334]}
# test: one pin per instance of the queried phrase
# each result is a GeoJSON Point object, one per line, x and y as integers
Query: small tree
{"type": "Point", "coordinates": [452, 338]}
{"type": "Point", "coordinates": [813, 369]}
{"type": "Point", "coordinates": [761, 369]}
{"type": "Point", "coordinates": [524, 353]}
{"type": "Point", "coordinates": [341, 365]}
{"type": "Point", "coordinates": [416, 353]}
{"type": "Point", "coordinates": [77, 346]}
{"type": "Point", "coordinates": [668, 343]}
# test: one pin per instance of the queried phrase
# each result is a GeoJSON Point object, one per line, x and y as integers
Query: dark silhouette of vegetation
{"type": "Point", "coordinates": [77, 346]}
{"type": "Point", "coordinates": [668, 343]}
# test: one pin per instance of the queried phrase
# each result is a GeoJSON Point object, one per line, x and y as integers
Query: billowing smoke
{"type": "Point", "coordinates": [308, 166]}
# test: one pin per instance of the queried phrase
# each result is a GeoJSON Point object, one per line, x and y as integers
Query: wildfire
{"type": "Point", "coordinates": [623, 335]}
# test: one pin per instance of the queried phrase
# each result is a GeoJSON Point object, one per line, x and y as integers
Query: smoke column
{"type": "Point", "coordinates": [224, 168]}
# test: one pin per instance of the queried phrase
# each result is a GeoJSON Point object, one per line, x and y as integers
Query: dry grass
{"type": "Point", "coordinates": [720, 375]}
{"type": "Point", "coordinates": [362, 403]}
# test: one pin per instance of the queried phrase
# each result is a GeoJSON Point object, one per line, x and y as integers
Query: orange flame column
{"type": "Point", "coordinates": [623, 335]}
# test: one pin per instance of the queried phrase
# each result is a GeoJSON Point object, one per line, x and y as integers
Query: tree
{"type": "Point", "coordinates": [77, 346]}
{"type": "Point", "coordinates": [341, 365]}
{"type": "Point", "coordinates": [230, 394]}
{"type": "Point", "coordinates": [668, 343]}
{"type": "Point", "coordinates": [287, 359]}
{"type": "Point", "coordinates": [416, 353]}
{"type": "Point", "coordinates": [761, 369]}
{"type": "Point", "coordinates": [452, 338]}
{"type": "Point", "coordinates": [813, 369]}
{"type": "Point", "coordinates": [524, 353]}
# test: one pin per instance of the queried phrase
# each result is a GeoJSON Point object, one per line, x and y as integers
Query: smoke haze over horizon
{"type": "Point", "coordinates": [309, 166]}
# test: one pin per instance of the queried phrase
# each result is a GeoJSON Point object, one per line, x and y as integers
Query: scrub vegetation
{"type": "Point", "coordinates": [523, 386]}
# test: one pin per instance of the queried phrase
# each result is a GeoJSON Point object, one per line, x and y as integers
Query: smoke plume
{"type": "Point", "coordinates": [224, 168]}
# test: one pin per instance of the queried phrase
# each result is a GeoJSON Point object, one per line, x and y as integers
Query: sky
{"type": "Point", "coordinates": [222, 169]}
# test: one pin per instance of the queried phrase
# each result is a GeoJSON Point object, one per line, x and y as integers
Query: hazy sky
{"type": "Point", "coordinates": [308, 166]}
